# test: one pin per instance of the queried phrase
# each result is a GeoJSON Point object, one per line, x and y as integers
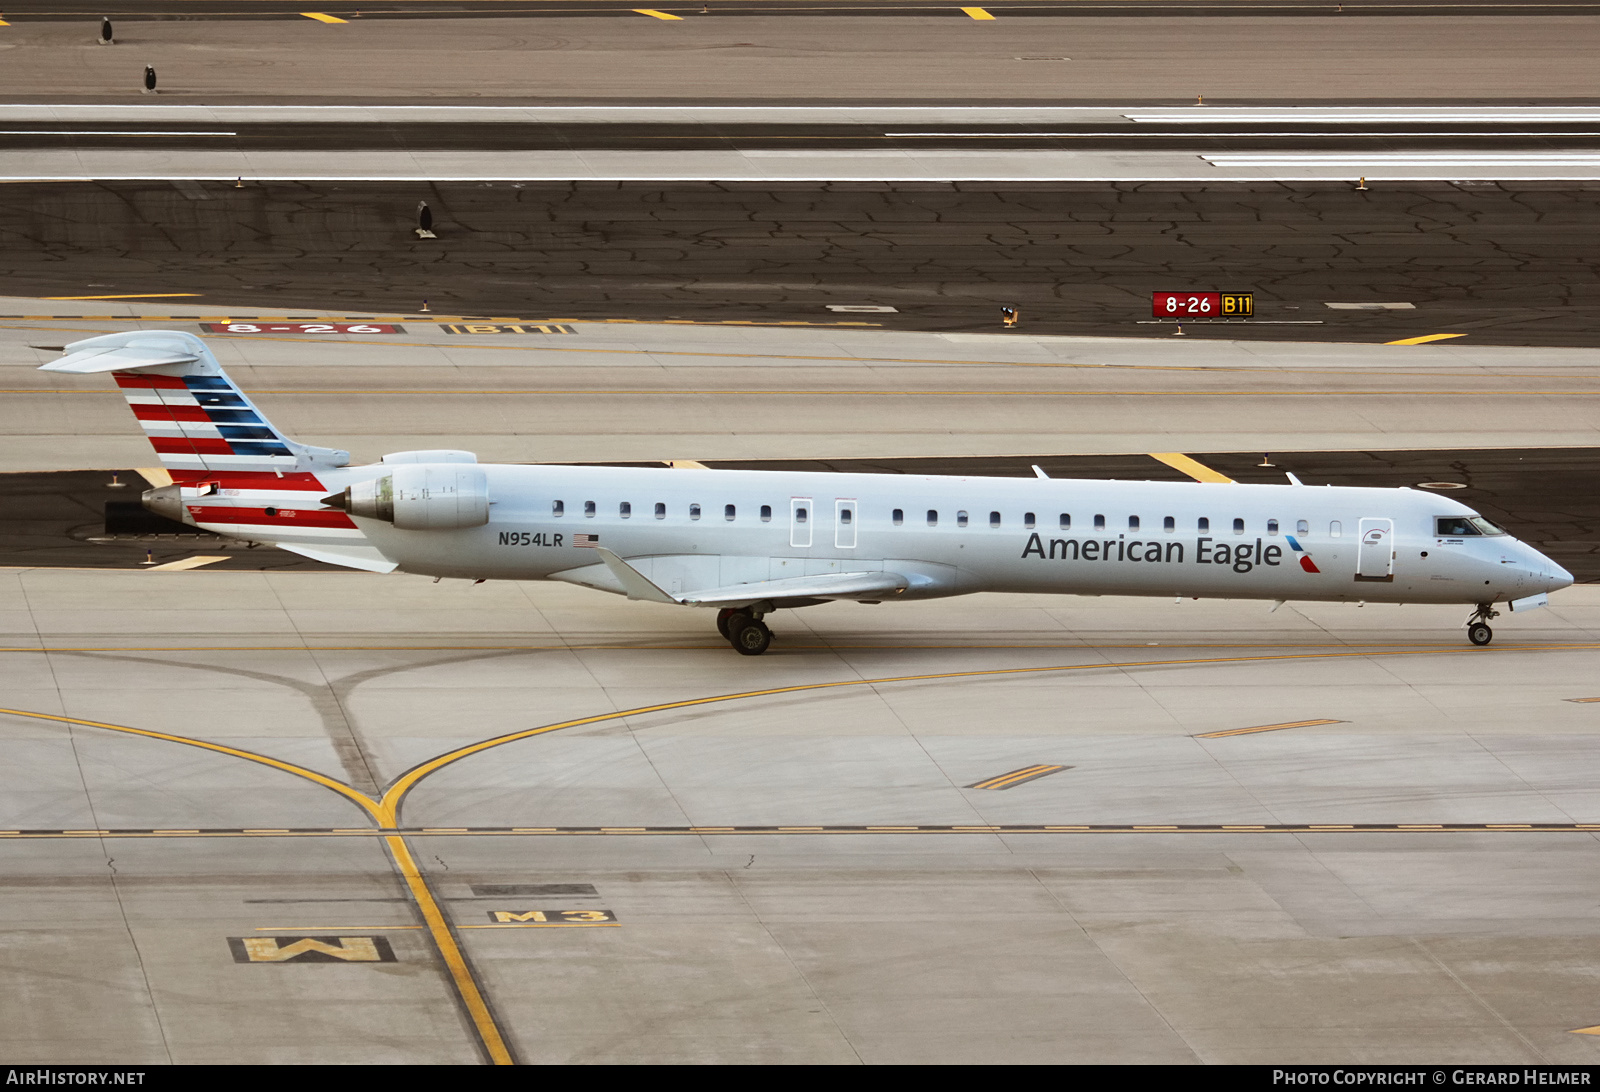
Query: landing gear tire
{"type": "Point", "coordinates": [1479, 633]}
{"type": "Point", "coordinates": [723, 617]}
{"type": "Point", "coordinates": [751, 639]}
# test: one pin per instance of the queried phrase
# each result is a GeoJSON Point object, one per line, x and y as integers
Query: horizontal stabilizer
{"type": "Point", "coordinates": [821, 586]}
{"type": "Point", "coordinates": [151, 351]}
{"type": "Point", "coordinates": [351, 557]}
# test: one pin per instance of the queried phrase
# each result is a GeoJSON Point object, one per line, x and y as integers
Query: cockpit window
{"type": "Point", "coordinates": [1456, 527]}
{"type": "Point", "coordinates": [1462, 526]}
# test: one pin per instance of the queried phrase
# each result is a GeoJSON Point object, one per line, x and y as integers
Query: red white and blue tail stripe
{"type": "Point", "coordinates": [232, 471]}
{"type": "Point", "coordinates": [204, 423]}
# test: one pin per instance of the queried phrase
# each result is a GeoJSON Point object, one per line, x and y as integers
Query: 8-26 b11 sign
{"type": "Point", "coordinates": [1202, 305]}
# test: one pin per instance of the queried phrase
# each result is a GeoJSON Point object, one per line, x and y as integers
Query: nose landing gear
{"type": "Point", "coordinates": [1478, 631]}
{"type": "Point", "coordinates": [746, 632]}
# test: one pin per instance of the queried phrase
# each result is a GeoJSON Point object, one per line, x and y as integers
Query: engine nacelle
{"type": "Point", "coordinates": [422, 498]}
{"type": "Point", "coordinates": [441, 455]}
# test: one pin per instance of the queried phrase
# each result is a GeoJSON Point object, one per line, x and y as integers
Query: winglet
{"type": "Point", "coordinates": [1294, 480]}
{"type": "Point", "coordinates": [634, 582]}
{"type": "Point", "coordinates": [1038, 471]}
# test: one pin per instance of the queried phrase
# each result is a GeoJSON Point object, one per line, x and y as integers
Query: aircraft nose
{"type": "Point", "coordinates": [1556, 577]}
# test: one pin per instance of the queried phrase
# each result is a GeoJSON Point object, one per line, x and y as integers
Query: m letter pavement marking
{"type": "Point", "coordinates": [311, 950]}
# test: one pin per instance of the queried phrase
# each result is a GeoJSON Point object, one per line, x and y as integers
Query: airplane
{"type": "Point", "coordinates": [749, 542]}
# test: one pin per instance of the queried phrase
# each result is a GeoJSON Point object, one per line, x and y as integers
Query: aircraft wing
{"type": "Point", "coordinates": [863, 585]}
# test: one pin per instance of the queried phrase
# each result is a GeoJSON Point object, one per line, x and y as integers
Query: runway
{"type": "Point", "coordinates": [320, 144]}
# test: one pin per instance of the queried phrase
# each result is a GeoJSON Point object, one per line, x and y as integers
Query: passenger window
{"type": "Point", "coordinates": [1272, 526]}
{"type": "Point", "coordinates": [898, 516]}
{"type": "Point", "coordinates": [729, 512]}
{"type": "Point", "coordinates": [1202, 524]}
{"type": "Point", "coordinates": [766, 513]}
{"type": "Point", "coordinates": [799, 515]}
{"type": "Point", "coordinates": [845, 516]}
{"type": "Point", "coordinates": [1301, 527]}
{"type": "Point", "coordinates": [1066, 521]}
{"type": "Point", "coordinates": [1238, 526]}
{"type": "Point", "coordinates": [1334, 529]}
{"type": "Point", "coordinates": [933, 517]}
{"type": "Point", "coordinates": [1133, 523]}
{"type": "Point", "coordinates": [994, 519]}
{"type": "Point", "coordinates": [624, 509]}
{"type": "Point", "coordinates": [588, 509]}
{"type": "Point", "coordinates": [661, 510]}
{"type": "Point", "coordinates": [961, 518]}
{"type": "Point", "coordinates": [1099, 523]}
{"type": "Point", "coordinates": [1028, 520]}
{"type": "Point", "coordinates": [1169, 524]}
{"type": "Point", "coordinates": [557, 508]}
{"type": "Point", "coordinates": [694, 511]}
{"type": "Point", "coordinates": [1455, 527]}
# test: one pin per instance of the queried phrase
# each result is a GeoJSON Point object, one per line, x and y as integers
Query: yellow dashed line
{"type": "Point", "coordinates": [1424, 339]}
{"type": "Point", "coordinates": [654, 14]}
{"type": "Point", "coordinates": [1197, 470]}
{"type": "Point", "coordinates": [978, 14]}
{"type": "Point", "coordinates": [321, 18]}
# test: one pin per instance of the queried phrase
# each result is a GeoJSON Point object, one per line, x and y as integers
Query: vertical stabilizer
{"type": "Point", "coordinates": [197, 419]}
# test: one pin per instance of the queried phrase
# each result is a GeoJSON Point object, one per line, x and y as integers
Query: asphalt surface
{"type": "Point", "coordinates": [1547, 497]}
{"type": "Point", "coordinates": [1501, 263]}
{"type": "Point", "coordinates": [55, 10]}
{"type": "Point", "coordinates": [1510, 55]}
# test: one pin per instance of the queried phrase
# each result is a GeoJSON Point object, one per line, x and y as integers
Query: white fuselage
{"type": "Point", "coordinates": [689, 529]}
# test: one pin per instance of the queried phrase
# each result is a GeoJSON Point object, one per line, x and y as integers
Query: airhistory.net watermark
{"type": "Point", "coordinates": [56, 1075]}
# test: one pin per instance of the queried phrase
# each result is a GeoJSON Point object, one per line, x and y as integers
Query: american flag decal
{"type": "Point", "coordinates": [588, 542]}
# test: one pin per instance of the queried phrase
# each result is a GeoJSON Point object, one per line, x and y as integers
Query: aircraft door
{"type": "Point", "coordinates": [801, 517]}
{"type": "Point", "coordinates": [844, 524]}
{"type": "Point", "coordinates": [1375, 555]}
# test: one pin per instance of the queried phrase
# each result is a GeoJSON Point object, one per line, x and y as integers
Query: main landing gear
{"type": "Point", "coordinates": [746, 632]}
{"type": "Point", "coordinates": [1478, 631]}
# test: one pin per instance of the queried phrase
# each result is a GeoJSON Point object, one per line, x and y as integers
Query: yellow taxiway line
{"type": "Point", "coordinates": [1424, 339]}
{"type": "Point", "coordinates": [1197, 470]}
{"type": "Point", "coordinates": [461, 976]}
{"type": "Point", "coordinates": [1264, 728]}
{"type": "Point", "coordinates": [187, 563]}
